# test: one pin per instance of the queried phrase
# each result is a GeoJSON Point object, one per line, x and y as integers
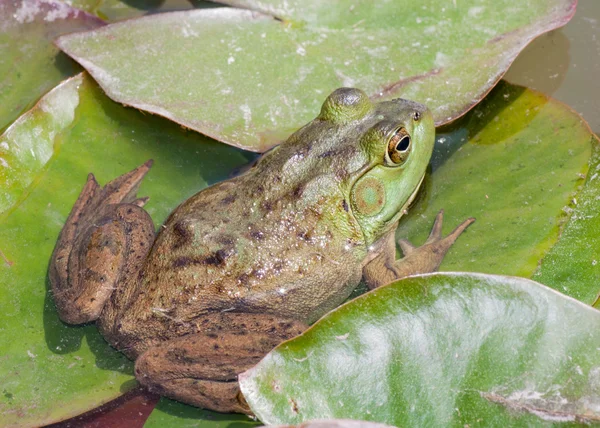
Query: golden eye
{"type": "Point", "coordinates": [399, 147]}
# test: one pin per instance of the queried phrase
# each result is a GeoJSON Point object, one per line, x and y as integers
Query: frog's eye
{"type": "Point", "coordinates": [398, 147]}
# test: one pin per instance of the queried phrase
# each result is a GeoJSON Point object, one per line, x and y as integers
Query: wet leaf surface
{"type": "Point", "coordinates": [439, 350]}
{"type": "Point", "coordinates": [118, 10]}
{"type": "Point", "coordinates": [269, 76]}
{"type": "Point", "coordinates": [48, 370]}
{"type": "Point", "coordinates": [572, 265]}
{"type": "Point", "coordinates": [515, 163]}
{"type": "Point", "coordinates": [173, 413]}
{"type": "Point", "coordinates": [30, 64]}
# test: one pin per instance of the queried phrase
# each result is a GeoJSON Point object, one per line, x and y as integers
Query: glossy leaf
{"type": "Point", "coordinates": [118, 10]}
{"type": "Point", "coordinates": [48, 370]}
{"type": "Point", "coordinates": [30, 64]}
{"type": "Point", "coordinates": [439, 350]}
{"type": "Point", "coordinates": [572, 265]}
{"type": "Point", "coordinates": [517, 161]}
{"type": "Point", "coordinates": [334, 423]}
{"type": "Point", "coordinates": [169, 413]}
{"type": "Point", "coordinates": [269, 76]}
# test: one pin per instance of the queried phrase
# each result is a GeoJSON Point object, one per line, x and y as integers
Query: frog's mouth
{"type": "Point", "coordinates": [411, 198]}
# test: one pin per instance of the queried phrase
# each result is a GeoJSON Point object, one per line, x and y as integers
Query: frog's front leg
{"type": "Point", "coordinates": [104, 242]}
{"type": "Point", "coordinates": [201, 368]}
{"type": "Point", "coordinates": [384, 268]}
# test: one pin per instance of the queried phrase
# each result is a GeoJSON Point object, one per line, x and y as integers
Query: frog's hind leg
{"type": "Point", "coordinates": [201, 368]}
{"type": "Point", "coordinates": [104, 241]}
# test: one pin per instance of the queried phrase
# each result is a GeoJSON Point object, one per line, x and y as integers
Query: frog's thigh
{"type": "Point", "coordinates": [105, 233]}
{"type": "Point", "coordinates": [102, 255]}
{"type": "Point", "coordinates": [384, 268]}
{"type": "Point", "coordinates": [201, 368]}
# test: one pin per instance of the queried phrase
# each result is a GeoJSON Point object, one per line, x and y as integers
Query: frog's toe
{"type": "Point", "coordinates": [428, 257]}
{"type": "Point", "coordinates": [435, 236]}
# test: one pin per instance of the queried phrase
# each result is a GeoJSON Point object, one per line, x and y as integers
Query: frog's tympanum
{"type": "Point", "coordinates": [251, 261]}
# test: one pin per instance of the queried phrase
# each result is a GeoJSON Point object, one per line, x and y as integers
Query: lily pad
{"type": "Point", "coordinates": [48, 370]}
{"type": "Point", "coordinates": [117, 10]}
{"type": "Point", "coordinates": [270, 68]}
{"type": "Point", "coordinates": [572, 265]}
{"type": "Point", "coordinates": [30, 63]}
{"type": "Point", "coordinates": [169, 413]}
{"type": "Point", "coordinates": [439, 350]}
{"type": "Point", "coordinates": [517, 162]}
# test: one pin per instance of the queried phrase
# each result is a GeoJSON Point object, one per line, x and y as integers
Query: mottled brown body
{"type": "Point", "coordinates": [249, 262]}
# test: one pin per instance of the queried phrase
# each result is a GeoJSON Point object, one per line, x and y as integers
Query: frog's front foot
{"type": "Point", "coordinates": [201, 369]}
{"type": "Point", "coordinates": [104, 241]}
{"type": "Point", "coordinates": [384, 268]}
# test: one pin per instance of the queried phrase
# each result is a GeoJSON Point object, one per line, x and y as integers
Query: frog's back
{"type": "Point", "coordinates": [233, 247]}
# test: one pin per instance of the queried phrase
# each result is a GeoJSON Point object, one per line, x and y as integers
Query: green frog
{"type": "Point", "coordinates": [249, 262]}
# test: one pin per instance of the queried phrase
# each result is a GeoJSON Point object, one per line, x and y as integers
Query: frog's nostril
{"type": "Point", "coordinates": [416, 116]}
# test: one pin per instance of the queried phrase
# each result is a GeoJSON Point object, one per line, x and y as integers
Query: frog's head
{"type": "Point", "coordinates": [365, 158]}
{"type": "Point", "coordinates": [395, 139]}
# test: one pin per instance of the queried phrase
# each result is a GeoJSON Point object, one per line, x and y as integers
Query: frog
{"type": "Point", "coordinates": [252, 261]}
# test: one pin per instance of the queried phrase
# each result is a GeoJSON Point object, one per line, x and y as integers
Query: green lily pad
{"type": "Point", "coordinates": [117, 10]}
{"type": "Point", "coordinates": [453, 349]}
{"type": "Point", "coordinates": [30, 63]}
{"type": "Point", "coordinates": [48, 370]}
{"type": "Point", "coordinates": [517, 161]}
{"type": "Point", "coordinates": [169, 413]}
{"type": "Point", "coordinates": [269, 76]}
{"type": "Point", "coordinates": [572, 265]}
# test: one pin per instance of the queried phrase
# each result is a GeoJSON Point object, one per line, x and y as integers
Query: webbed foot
{"type": "Point", "coordinates": [384, 268]}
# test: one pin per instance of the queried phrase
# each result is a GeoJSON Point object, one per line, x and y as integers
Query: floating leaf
{"type": "Point", "coordinates": [169, 413]}
{"type": "Point", "coordinates": [30, 63]}
{"type": "Point", "coordinates": [117, 10]}
{"type": "Point", "coordinates": [517, 161]}
{"type": "Point", "coordinates": [269, 76]}
{"type": "Point", "coordinates": [573, 265]}
{"type": "Point", "coordinates": [452, 349]}
{"type": "Point", "coordinates": [48, 370]}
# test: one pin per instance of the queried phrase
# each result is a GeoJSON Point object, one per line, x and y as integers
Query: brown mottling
{"type": "Point", "coordinates": [182, 234]}
{"type": "Point", "coordinates": [228, 200]}
{"type": "Point", "coordinates": [243, 279]}
{"type": "Point", "coordinates": [277, 267]}
{"type": "Point", "coordinates": [92, 275]}
{"type": "Point", "coordinates": [178, 355]}
{"type": "Point", "coordinates": [182, 261]}
{"type": "Point", "coordinates": [304, 235]}
{"type": "Point", "coordinates": [257, 235]}
{"type": "Point", "coordinates": [112, 245]}
{"type": "Point", "coordinates": [225, 240]}
{"type": "Point", "coordinates": [298, 190]}
{"type": "Point", "coordinates": [267, 206]}
{"type": "Point", "coordinates": [328, 153]}
{"type": "Point", "coordinates": [341, 174]}
{"type": "Point", "coordinates": [219, 257]}
{"type": "Point", "coordinates": [345, 205]}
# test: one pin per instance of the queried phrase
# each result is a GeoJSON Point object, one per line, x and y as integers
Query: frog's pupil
{"type": "Point", "coordinates": [403, 144]}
